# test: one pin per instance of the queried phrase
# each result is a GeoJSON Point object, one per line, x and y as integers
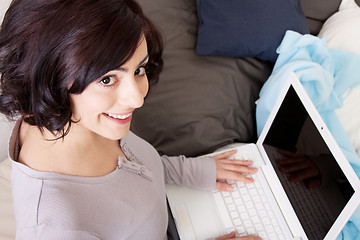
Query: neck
{"type": "Point", "coordinates": [80, 152]}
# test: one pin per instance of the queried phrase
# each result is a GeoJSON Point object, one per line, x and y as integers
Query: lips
{"type": "Point", "coordinates": [119, 116]}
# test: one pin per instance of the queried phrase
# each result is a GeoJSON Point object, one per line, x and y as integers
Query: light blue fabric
{"type": "Point", "coordinates": [325, 74]}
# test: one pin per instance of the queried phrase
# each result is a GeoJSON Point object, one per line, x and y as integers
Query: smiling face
{"type": "Point", "coordinates": [106, 105]}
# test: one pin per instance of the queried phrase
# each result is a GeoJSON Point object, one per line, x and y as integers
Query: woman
{"type": "Point", "coordinates": [73, 72]}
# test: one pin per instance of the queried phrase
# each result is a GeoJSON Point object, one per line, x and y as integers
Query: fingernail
{"type": "Point", "coordinates": [229, 188]}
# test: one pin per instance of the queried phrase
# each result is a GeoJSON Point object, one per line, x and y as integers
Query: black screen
{"type": "Point", "coordinates": [306, 168]}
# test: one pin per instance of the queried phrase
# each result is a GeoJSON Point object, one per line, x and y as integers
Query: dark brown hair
{"type": "Point", "coordinates": [47, 44]}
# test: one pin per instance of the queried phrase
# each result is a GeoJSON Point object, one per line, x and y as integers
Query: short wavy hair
{"type": "Point", "coordinates": [45, 45]}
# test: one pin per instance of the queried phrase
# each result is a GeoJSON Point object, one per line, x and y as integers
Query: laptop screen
{"type": "Point", "coordinates": [311, 177]}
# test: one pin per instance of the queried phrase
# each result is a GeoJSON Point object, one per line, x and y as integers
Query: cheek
{"type": "Point", "coordinates": [144, 87]}
{"type": "Point", "coordinates": [84, 105]}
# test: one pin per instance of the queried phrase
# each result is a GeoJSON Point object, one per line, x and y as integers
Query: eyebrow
{"type": "Point", "coordinates": [139, 65]}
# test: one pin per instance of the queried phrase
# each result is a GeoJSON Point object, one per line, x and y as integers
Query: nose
{"type": "Point", "coordinates": [132, 92]}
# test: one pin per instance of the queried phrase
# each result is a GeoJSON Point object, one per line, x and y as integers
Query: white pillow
{"type": "Point", "coordinates": [342, 30]}
{"type": "Point", "coordinates": [7, 219]}
{"type": "Point", "coordinates": [5, 132]}
{"type": "Point", "coordinates": [5, 126]}
{"type": "Point", "coordinates": [4, 5]}
{"type": "Point", "coordinates": [350, 118]}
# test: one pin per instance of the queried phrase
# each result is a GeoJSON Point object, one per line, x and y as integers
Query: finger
{"type": "Point", "coordinates": [225, 173]}
{"type": "Point", "coordinates": [227, 236]}
{"type": "Point", "coordinates": [234, 176]}
{"type": "Point", "coordinates": [236, 168]}
{"type": "Point", "coordinates": [236, 162]}
{"type": "Point", "coordinates": [231, 236]}
{"type": "Point", "coordinates": [226, 154]}
{"type": "Point", "coordinates": [248, 238]}
{"type": "Point", "coordinates": [224, 187]}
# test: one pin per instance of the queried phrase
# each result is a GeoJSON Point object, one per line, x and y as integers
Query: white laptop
{"type": "Point", "coordinates": [274, 207]}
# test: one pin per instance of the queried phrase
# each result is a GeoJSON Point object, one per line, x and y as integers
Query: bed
{"type": "Point", "coordinates": [206, 95]}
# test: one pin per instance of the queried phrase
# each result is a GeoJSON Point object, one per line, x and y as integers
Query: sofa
{"type": "Point", "coordinates": [206, 96]}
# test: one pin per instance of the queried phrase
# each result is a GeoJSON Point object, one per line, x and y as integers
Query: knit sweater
{"type": "Point", "coordinates": [128, 203]}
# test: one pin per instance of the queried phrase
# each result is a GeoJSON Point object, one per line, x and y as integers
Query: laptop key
{"type": "Point", "coordinates": [222, 210]}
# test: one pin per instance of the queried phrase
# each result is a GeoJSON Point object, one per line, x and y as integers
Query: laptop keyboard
{"type": "Point", "coordinates": [247, 211]}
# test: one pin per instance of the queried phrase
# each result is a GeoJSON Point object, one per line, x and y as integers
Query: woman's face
{"type": "Point", "coordinates": [106, 105]}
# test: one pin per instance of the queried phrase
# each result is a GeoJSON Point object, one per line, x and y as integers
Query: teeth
{"type": "Point", "coordinates": [119, 116]}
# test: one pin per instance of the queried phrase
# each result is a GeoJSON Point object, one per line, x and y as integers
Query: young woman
{"type": "Point", "coordinates": [72, 74]}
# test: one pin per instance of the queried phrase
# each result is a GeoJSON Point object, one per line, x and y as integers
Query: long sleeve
{"type": "Point", "coordinates": [199, 173]}
{"type": "Point", "coordinates": [45, 232]}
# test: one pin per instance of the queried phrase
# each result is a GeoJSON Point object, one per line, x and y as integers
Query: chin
{"type": "Point", "coordinates": [116, 135]}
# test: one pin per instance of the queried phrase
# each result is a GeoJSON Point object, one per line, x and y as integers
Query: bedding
{"type": "Point", "coordinates": [342, 31]}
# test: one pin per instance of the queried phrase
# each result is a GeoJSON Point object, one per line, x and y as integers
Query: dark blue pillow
{"type": "Point", "coordinates": [246, 28]}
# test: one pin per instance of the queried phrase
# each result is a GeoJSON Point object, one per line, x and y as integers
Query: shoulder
{"type": "Point", "coordinates": [135, 142]}
{"type": "Point", "coordinates": [29, 139]}
{"type": "Point", "coordinates": [136, 146]}
{"type": "Point", "coordinates": [36, 148]}
{"type": "Point", "coordinates": [133, 138]}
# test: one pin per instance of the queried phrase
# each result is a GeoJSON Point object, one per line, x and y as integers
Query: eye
{"type": "Point", "coordinates": [107, 81]}
{"type": "Point", "coordinates": [141, 71]}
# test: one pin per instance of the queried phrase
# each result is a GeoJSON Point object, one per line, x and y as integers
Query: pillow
{"type": "Point", "coordinates": [342, 30]}
{"type": "Point", "coordinates": [200, 103]}
{"type": "Point", "coordinates": [349, 118]}
{"type": "Point", "coordinates": [5, 132]}
{"type": "Point", "coordinates": [5, 126]}
{"type": "Point", "coordinates": [317, 12]}
{"type": "Point", "coordinates": [7, 218]}
{"type": "Point", "coordinates": [246, 28]}
{"type": "Point", "coordinates": [4, 5]}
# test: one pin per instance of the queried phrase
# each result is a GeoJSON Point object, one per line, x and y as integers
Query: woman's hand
{"type": "Point", "coordinates": [232, 236]}
{"type": "Point", "coordinates": [232, 169]}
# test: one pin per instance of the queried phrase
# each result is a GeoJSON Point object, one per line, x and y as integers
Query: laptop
{"type": "Point", "coordinates": [276, 205]}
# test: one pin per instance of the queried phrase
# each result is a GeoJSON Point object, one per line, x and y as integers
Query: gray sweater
{"type": "Point", "coordinates": [128, 203]}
